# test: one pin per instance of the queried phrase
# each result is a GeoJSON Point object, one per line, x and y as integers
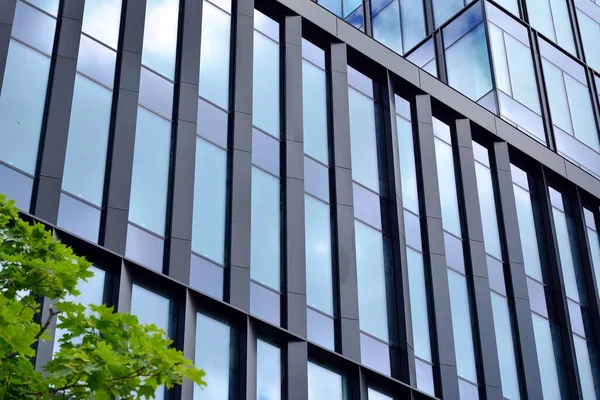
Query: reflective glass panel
{"type": "Point", "coordinates": [34, 27]}
{"type": "Point", "coordinates": [96, 61]}
{"type": "Point", "coordinates": [418, 304]}
{"type": "Point", "coordinates": [324, 384]}
{"type": "Point", "coordinates": [374, 395]}
{"type": "Point", "coordinates": [443, 10]}
{"type": "Point", "coordinates": [589, 26]}
{"type": "Point", "coordinates": [527, 233]}
{"type": "Point", "coordinates": [50, 6]}
{"type": "Point", "coordinates": [386, 26]}
{"type": "Point", "coordinates": [212, 355]}
{"type": "Point", "coordinates": [265, 100]}
{"type": "Point", "coordinates": [584, 365]}
{"type": "Point", "coordinates": [314, 108]}
{"type": "Point", "coordinates": [544, 343]}
{"type": "Point", "coordinates": [567, 262]}
{"type": "Point", "coordinates": [78, 217]}
{"type": "Point", "coordinates": [551, 18]}
{"type": "Point", "coordinates": [594, 245]}
{"type": "Point", "coordinates": [505, 345]}
{"type": "Point", "coordinates": [268, 371]}
{"type": "Point", "coordinates": [447, 183]}
{"type": "Point", "coordinates": [160, 36]}
{"type": "Point", "coordinates": [487, 204]}
{"type": "Point", "coordinates": [363, 139]}
{"type": "Point", "coordinates": [101, 20]}
{"type": "Point", "coordinates": [320, 329]}
{"type": "Point", "coordinates": [408, 165]}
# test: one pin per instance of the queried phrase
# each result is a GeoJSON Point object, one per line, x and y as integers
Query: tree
{"type": "Point", "coordinates": [104, 354]}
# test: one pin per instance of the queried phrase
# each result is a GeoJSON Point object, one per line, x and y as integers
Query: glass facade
{"type": "Point", "coordinates": [352, 11]}
{"type": "Point", "coordinates": [268, 371]}
{"type": "Point", "coordinates": [398, 25]}
{"type": "Point", "coordinates": [213, 344]}
{"type": "Point", "coordinates": [324, 383]}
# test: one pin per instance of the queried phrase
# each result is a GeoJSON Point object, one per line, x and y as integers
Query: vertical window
{"type": "Point", "coordinates": [547, 336]}
{"type": "Point", "coordinates": [467, 58]}
{"type": "Point", "coordinates": [501, 308]}
{"type": "Point", "coordinates": [571, 109]}
{"type": "Point", "coordinates": [319, 268]}
{"type": "Point", "coordinates": [375, 395]}
{"type": "Point", "coordinates": [152, 308]}
{"type": "Point", "coordinates": [551, 18]}
{"type": "Point", "coordinates": [399, 26]}
{"type": "Point", "coordinates": [91, 292]}
{"type": "Point", "coordinates": [349, 10]}
{"type": "Point", "coordinates": [160, 36]}
{"type": "Point", "coordinates": [213, 344]}
{"type": "Point", "coordinates": [417, 281]}
{"type": "Point", "coordinates": [570, 263]}
{"type": "Point", "coordinates": [268, 371]}
{"type": "Point", "coordinates": [424, 57]}
{"type": "Point", "coordinates": [265, 263]}
{"type": "Point", "coordinates": [588, 16]}
{"type": "Point", "coordinates": [443, 10]}
{"type": "Point", "coordinates": [593, 237]}
{"type": "Point", "coordinates": [23, 97]}
{"type": "Point", "coordinates": [515, 75]}
{"type": "Point", "coordinates": [324, 384]}
{"type": "Point", "coordinates": [372, 261]}
{"type": "Point", "coordinates": [460, 306]}
{"type": "Point", "coordinates": [87, 143]}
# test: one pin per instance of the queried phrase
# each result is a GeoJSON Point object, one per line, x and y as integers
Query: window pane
{"type": "Point", "coordinates": [210, 201]}
{"type": "Point", "coordinates": [370, 264]}
{"type": "Point", "coordinates": [265, 152]}
{"type": "Point", "coordinates": [386, 26]}
{"type": "Point", "coordinates": [443, 10]}
{"type": "Point", "coordinates": [214, 55]}
{"type": "Point", "coordinates": [425, 380]}
{"type": "Point", "coordinates": [461, 326]}
{"type": "Point", "coordinates": [324, 384]}
{"type": "Point", "coordinates": [413, 23]}
{"type": "Point", "coordinates": [96, 61]}
{"type": "Point", "coordinates": [527, 233]}
{"type": "Point", "coordinates": [320, 329]}
{"type": "Point", "coordinates": [375, 354]}
{"type": "Point", "coordinates": [557, 96]}
{"type": "Point", "coordinates": [101, 20]}
{"type": "Point", "coordinates": [374, 395]}
{"type": "Point", "coordinates": [22, 104]}
{"type": "Point", "coordinates": [319, 280]}
{"type": "Point", "coordinates": [212, 355]}
{"type": "Point", "coordinates": [544, 344]}
{"type": "Point", "coordinates": [552, 20]}
{"type": "Point", "coordinates": [148, 203]}
{"type": "Point", "coordinates": [581, 112]}
{"type": "Point", "coordinates": [85, 159]}
{"type": "Point", "coordinates": [363, 138]}
{"type": "Point", "coordinates": [408, 166]}
{"type": "Point", "coordinates": [567, 262]}
{"type": "Point", "coordinates": [447, 183]}
{"type": "Point", "coordinates": [268, 371]}
{"type": "Point", "coordinates": [160, 36]}
{"type": "Point", "coordinates": [489, 216]}
{"type": "Point", "coordinates": [265, 229]}
{"type": "Point", "coordinates": [522, 74]}
{"type": "Point", "coordinates": [34, 27]}
{"type": "Point", "coordinates": [265, 100]}
{"type": "Point", "coordinates": [50, 6]}
{"type": "Point", "coordinates": [314, 96]}
{"type": "Point", "coordinates": [586, 376]}
{"type": "Point", "coordinates": [590, 35]}
{"type": "Point", "coordinates": [207, 277]}
{"type": "Point", "coordinates": [418, 304]}
{"type": "Point", "coordinates": [506, 349]}
{"type": "Point", "coordinates": [265, 303]}
{"type": "Point", "coordinates": [16, 185]}
{"type": "Point", "coordinates": [78, 217]}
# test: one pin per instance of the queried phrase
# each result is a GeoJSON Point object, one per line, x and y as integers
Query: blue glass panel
{"type": "Point", "coordinates": [461, 326]}
{"type": "Point", "coordinates": [566, 254]}
{"type": "Point", "coordinates": [96, 61]}
{"type": "Point", "coordinates": [265, 101]}
{"type": "Point", "coordinates": [156, 93]}
{"type": "Point", "coordinates": [447, 183]}
{"type": "Point", "coordinates": [386, 27]}
{"type": "Point", "coordinates": [506, 348]}
{"type": "Point", "coordinates": [160, 36]}
{"type": "Point", "coordinates": [79, 218]}
{"type": "Point", "coordinates": [522, 74]}
{"type": "Point", "coordinates": [356, 18]}
{"type": "Point", "coordinates": [206, 277]}
{"type": "Point", "coordinates": [418, 304]}
{"type": "Point", "coordinates": [584, 366]}
{"type": "Point", "coordinates": [265, 152]}
{"type": "Point", "coordinates": [562, 61]}
{"type": "Point", "coordinates": [544, 344]}
{"type": "Point", "coordinates": [488, 102]}
{"type": "Point", "coordinates": [489, 215]}
{"type": "Point", "coordinates": [374, 395]}
{"type": "Point", "coordinates": [34, 27]}
{"type": "Point", "coordinates": [505, 22]}
{"type": "Point", "coordinates": [87, 143]}
{"type": "Point", "coordinates": [481, 154]}
{"type": "Point", "coordinates": [513, 7]}
{"type": "Point", "coordinates": [462, 25]}
{"type": "Point", "coordinates": [144, 248]}
{"type": "Point", "coordinates": [319, 278]}
{"type": "Point", "coordinates": [313, 53]}
{"type": "Point", "coordinates": [413, 23]}
{"type": "Point", "coordinates": [582, 113]}
{"type": "Point", "coordinates": [552, 20]}
{"type": "Point", "coordinates": [496, 275]}
{"type": "Point", "coordinates": [402, 107]}
{"type": "Point", "coordinates": [537, 297]}
{"type": "Point", "coordinates": [212, 123]}
{"type": "Point", "coordinates": [408, 165]}
{"type": "Point", "coordinates": [50, 6]}
{"type": "Point", "coordinates": [467, 390]}
{"type": "Point", "coordinates": [316, 179]}
{"type": "Point", "coordinates": [519, 176]}
{"type": "Point", "coordinates": [590, 35]}
{"type": "Point", "coordinates": [268, 371]}
{"type": "Point", "coordinates": [314, 108]}
{"type": "Point", "coordinates": [360, 82]}
{"type": "Point", "coordinates": [266, 25]}
{"type": "Point", "coordinates": [370, 264]}
{"type": "Point", "coordinates": [101, 20]}
{"type": "Point", "coordinates": [577, 152]}
{"type": "Point", "coordinates": [335, 6]}
{"type": "Point", "coordinates": [522, 117]}
{"type": "Point", "coordinates": [424, 55]}
{"type": "Point", "coordinates": [443, 10]}
{"type": "Point", "coordinates": [412, 230]}
{"type": "Point", "coordinates": [590, 220]}
{"type": "Point", "coordinates": [527, 232]}
{"type": "Point", "coordinates": [214, 55]}
{"type": "Point", "coordinates": [425, 380]}
{"type": "Point", "coordinates": [149, 183]}
{"type": "Point", "coordinates": [16, 185]}
{"type": "Point", "coordinates": [324, 384]}
{"type": "Point", "coordinates": [210, 201]}
{"type": "Point", "coordinates": [375, 354]}
{"type": "Point", "coordinates": [320, 329]}
{"type": "Point", "coordinates": [367, 206]}
{"type": "Point", "coordinates": [265, 231]}
{"type": "Point", "coordinates": [212, 355]}
{"type": "Point", "coordinates": [468, 64]}
{"type": "Point", "coordinates": [363, 138]}
{"type": "Point", "coordinates": [22, 104]}
{"type": "Point", "coordinates": [454, 252]}
{"type": "Point", "coordinates": [576, 318]}
{"type": "Point", "coordinates": [265, 303]}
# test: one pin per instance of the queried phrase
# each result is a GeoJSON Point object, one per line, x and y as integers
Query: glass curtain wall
{"type": "Point", "coordinates": [458, 282]}
{"type": "Point", "coordinates": [399, 25]}
{"type": "Point", "coordinates": [317, 209]}
{"type": "Point", "coordinates": [372, 259]}
{"type": "Point", "coordinates": [593, 240]}
{"type": "Point", "coordinates": [152, 152]}
{"type": "Point", "coordinates": [23, 96]}
{"type": "Point", "coordinates": [210, 177]}
{"type": "Point", "coordinates": [588, 17]}
{"type": "Point", "coordinates": [417, 266]}
{"type": "Point", "coordinates": [265, 264]}
{"type": "Point", "coordinates": [268, 371]}
{"type": "Point", "coordinates": [501, 307]}
{"type": "Point", "coordinates": [551, 19]}
{"type": "Point", "coordinates": [424, 57]}
{"type": "Point", "coordinates": [87, 143]}
{"type": "Point", "coordinates": [545, 328]}
{"type": "Point", "coordinates": [325, 384]}
{"type": "Point", "coordinates": [351, 11]}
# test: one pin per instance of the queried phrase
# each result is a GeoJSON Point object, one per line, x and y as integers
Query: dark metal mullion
{"type": "Point", "coordinates": [181, 200]}
{"type": "Point", "coordinates": [440, 56]}
{"type": "Point", "coordinates": [542, 95]}
{"type": "Point", "coordinates": [594, 94]}
{"type": "Point", "coordinates": [7, 14]}
{"type": "Point", "coordinates": [186, 339]}
{"type": "Point", "coordinates": [517, 289]}
{"type": "Point", "coordinates": [490, 57]}
{"type": "Point", "coordinates": [560, 297]}
{"type": "Point", "coordinates": [491, 384]}
{"type": "Point", "coordinates": [428, 15]}
{"type": "Point", "coordinates": [53, 143]}
{"type": "Point", "coordinates": [434, 251]}
{"type": "Point", "coordinates": [577, 39]}
{"type": "Point", "coordinates": [405, 363]}
{"type": "Point", "coordinates": [367, 15]}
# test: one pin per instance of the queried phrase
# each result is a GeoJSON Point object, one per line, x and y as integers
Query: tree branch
{"type": "Point", "coordinates": [43, 329]}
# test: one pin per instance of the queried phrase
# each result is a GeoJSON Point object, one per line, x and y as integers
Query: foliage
{"type": "Point", "coordinates": [103, 354]}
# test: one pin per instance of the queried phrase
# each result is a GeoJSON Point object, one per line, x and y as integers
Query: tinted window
{"type": "Point", "coordinates": [101, 19]}
{"type": "Point", "coordinates": [324, 384]}
{"type": "Point", "coordinates": [314, 95]}
{"type": "Point", "coordinates": [212, 355]}
{"type": "Point", "coordinates": [265, 100]}
{"type": "Point", "coordinates": [447, 182]}
{"type": "Point", "coordinates": [268, 371]}
{"type": "Point", "coordinates": [160, 36]}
